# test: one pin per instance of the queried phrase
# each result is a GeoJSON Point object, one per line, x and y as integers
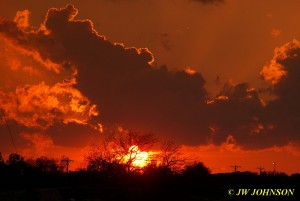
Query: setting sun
{"type": "Point", "coordinates": [193, 104]}
{"type": "Point", "coordinates": [140, 158]}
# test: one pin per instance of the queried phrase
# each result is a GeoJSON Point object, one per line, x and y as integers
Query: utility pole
{"type": "Point", "coordinates": [235, 167]}
{"type": "Point", "coordinates": [260, 169]}
{"type": "Point", "coordinates": [67, 161]}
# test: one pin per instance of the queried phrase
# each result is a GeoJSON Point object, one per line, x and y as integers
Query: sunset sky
{"type": "Point", "coordinates": [219, 77]}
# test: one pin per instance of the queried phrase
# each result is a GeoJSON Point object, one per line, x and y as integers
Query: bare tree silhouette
{"type": "Point", "coordinates": [121, 148]}
{"type": "Point", "coordinates": [47, 165]}
{"type": "Point", "coordinates": [17, 163]}
{"type": "Point", "coordinates": [170, 156]}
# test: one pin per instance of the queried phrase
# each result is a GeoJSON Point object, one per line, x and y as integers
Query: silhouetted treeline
{"type": "Point", "coordinates": [46, 179]}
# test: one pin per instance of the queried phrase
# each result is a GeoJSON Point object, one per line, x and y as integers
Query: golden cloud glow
{"type": "Point", "coordinates": [39, 144]}
{"type": "Point", "coordinates": [22, 19]}
{"type": "Point", "coordinates": [273, 72]}
{"type": "Point", "coordinates": [38, 105]}
{"type": "Point", "coordinates": [34, 91]}
{"type": "Point", "coordinates": [190, 71]}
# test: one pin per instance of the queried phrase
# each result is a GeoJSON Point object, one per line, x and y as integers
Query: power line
{"type": "Point", "coordinates": [9, 131]}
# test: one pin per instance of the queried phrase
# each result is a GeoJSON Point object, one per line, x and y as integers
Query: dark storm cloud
{"type": "Point", "coordinates": [79, 135]}
{"type": "Point", "coordinates": [238, 111]}
{"type": "Point", "coordinates": [126, 88]}
{"type": "Point", "coordinates": [283, 72]}
{"type": "Point", "coordinates": [131, 92]}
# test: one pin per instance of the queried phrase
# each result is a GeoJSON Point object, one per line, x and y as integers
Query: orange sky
{"type": "Point", "coordinates": [64, 78]}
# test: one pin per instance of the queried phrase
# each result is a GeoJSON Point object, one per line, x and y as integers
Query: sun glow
{"type": "Point", "coordinates": [140, 158]}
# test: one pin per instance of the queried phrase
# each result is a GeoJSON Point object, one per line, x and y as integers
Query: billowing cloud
{"type": "Point", "coordinates": [275, 70]}
{"type": "Point", "coordinates": [82, 69]}
{"type": "Point", "coordinates": [239, 111]}
{"type": "Point", "coordinates": [22, 19]}
{"type": "Point", "coordinates": [122, 82]}
{"type": "Point", "coordinates": [35, 91]}
{"type": "Point", "coordinates": [284, 111]}
{"type": "Point", "coordinates": [39, 105]}
{"type": "Point", "coordinates": [237, 115]}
